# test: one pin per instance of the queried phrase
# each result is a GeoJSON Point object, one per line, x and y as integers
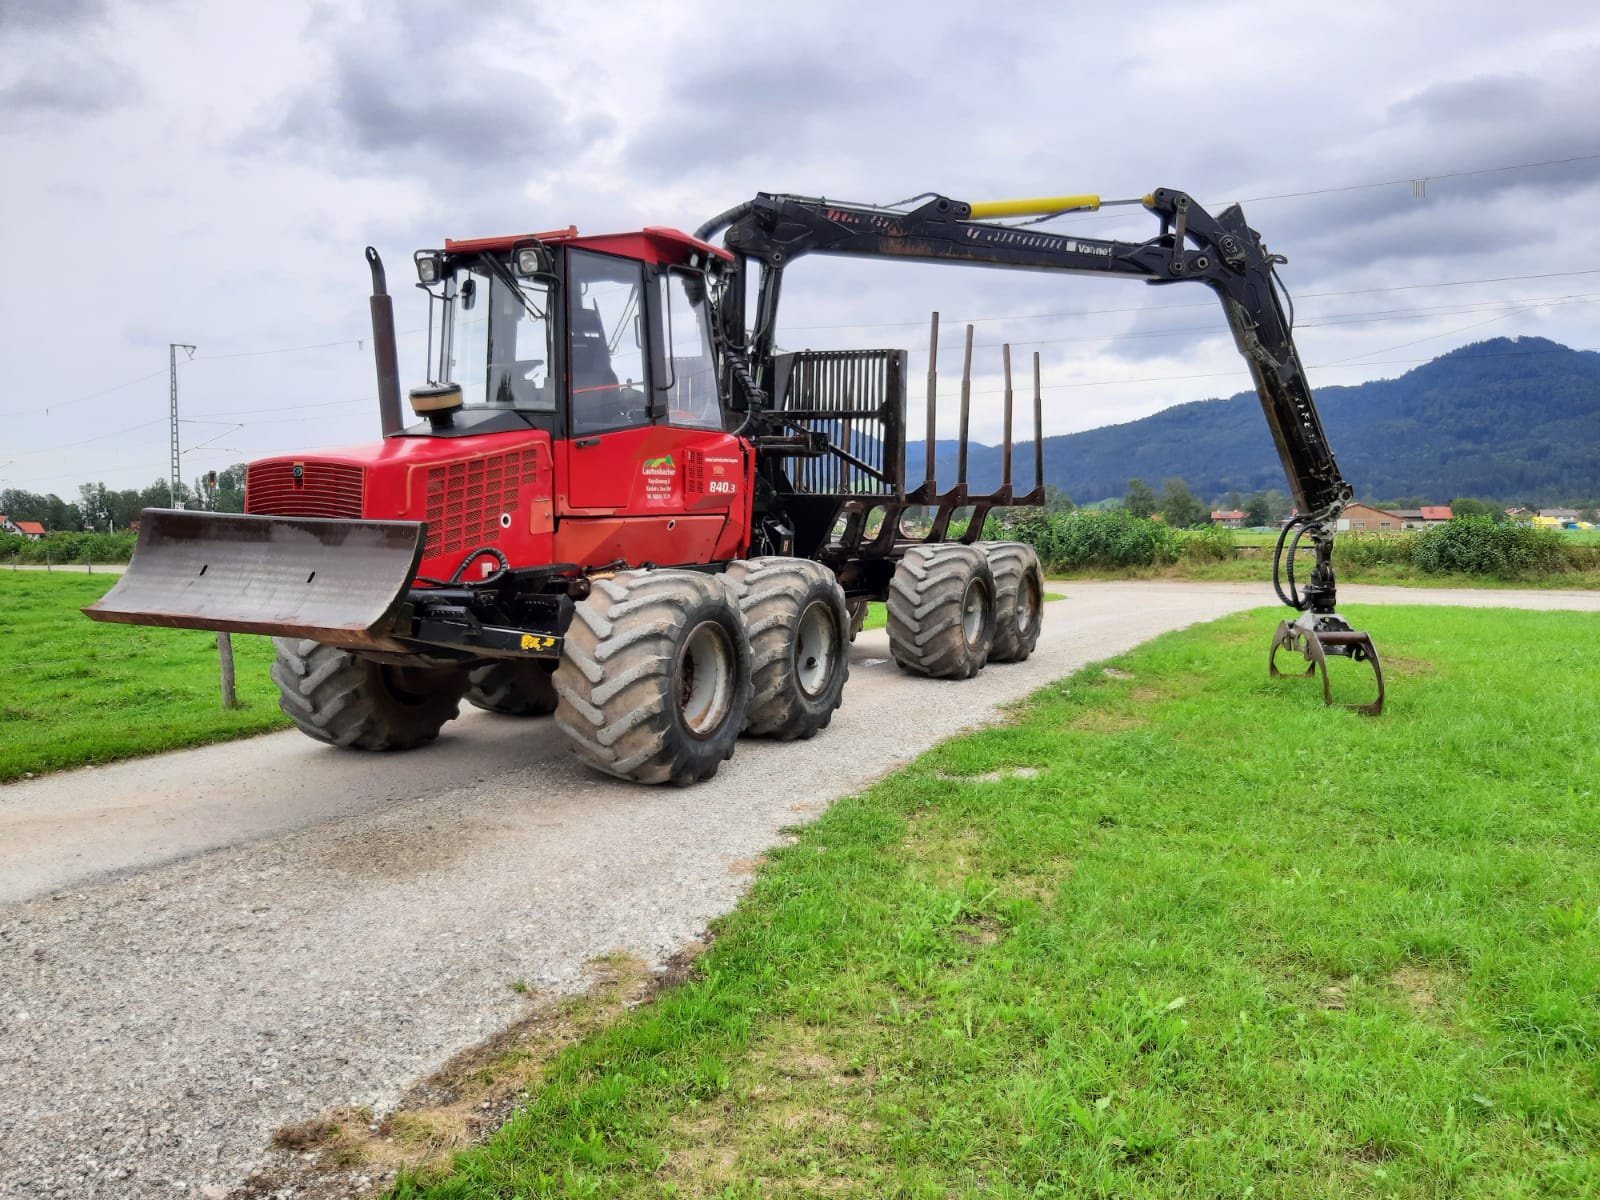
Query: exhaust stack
{"type": "Point", "coordinates": [383, 348]}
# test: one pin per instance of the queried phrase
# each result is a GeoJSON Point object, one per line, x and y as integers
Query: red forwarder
{"type": "Point", "coordinates": [622, 505]}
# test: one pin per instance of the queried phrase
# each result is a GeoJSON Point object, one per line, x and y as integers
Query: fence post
{"type": "Point", "coordinates": [230, 698]}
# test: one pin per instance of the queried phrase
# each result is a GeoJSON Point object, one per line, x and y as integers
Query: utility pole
{"type": "Point", "coordinates": [172, 373]}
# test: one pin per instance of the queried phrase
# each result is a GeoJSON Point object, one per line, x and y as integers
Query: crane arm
{"type": "Point", "coordinates": [1222, 252]}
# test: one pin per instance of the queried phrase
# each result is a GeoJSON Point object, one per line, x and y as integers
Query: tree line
{"type": "Point", "coordinates": [99, 509]}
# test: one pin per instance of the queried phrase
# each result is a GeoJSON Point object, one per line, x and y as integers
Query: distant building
{"type": "Point", "coordinates": [1233, 519]}
{"type": "Point", "coordinates": [1437, 512]}
{"type": "Point", "coordinates": [1364, 518]}
{"type": "Point", "coordinates": [31, 530]}
{"type": "Point", "coordinates": [1559, 514]}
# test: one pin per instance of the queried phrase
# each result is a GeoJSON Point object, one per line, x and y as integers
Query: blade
{"type": "Point", "coordinates": [335, 581]}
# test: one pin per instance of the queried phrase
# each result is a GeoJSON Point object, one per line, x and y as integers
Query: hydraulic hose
{"type": "Point", "coordinates": [1283, 568]}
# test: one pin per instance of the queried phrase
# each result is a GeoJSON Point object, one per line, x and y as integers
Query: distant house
{"type": "Point", "coordinates": [1364, 518]}
{"type": "Point", "coordinates": [1233, 519]}
{"type": "Point", "coordinates": [1437, 512]}
{"type": "Point", "coordinates": [1560, 518]}
{"type": "Point", "coordinates": [28, 529]}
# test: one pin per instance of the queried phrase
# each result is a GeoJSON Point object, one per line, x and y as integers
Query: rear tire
{"type": "Point", "coordinates": [654, 680]}
{"type": "Point", "coordinates": [1018, 599]}
{"type": "Point", "coordinates": [354, 703]}
{"type": "Point", "coordinates": [941, 611]}
{"type": "Point", "coordinates": [514, 689]}
{"type": "Point", "coordinates": [794, 612]}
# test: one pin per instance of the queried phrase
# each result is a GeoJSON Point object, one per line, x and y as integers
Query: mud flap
{"type": "Point", "coordinates": [1318, 638]}
{"type": "Point", "coordinates": [339, 582]}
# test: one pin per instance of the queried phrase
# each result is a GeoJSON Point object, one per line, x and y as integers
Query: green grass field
{"type": "Point", "coordinates": [74, 691]}
{"type": "Point", "coordinates": [1176, 931]}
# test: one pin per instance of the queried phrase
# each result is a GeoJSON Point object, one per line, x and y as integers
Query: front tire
{"type": "Point", "coordinates": [355, 703]}
{"type": "Point", "coordinates": [514, 689]}
{"type": "Point", "coordinates": [1018, 599]}
{"type": "Point", "coordinates": [794, 611]}
{"type": "Point", "coordinates": [941, 611]}
{"type": "Point", "coordinates": [654, 681]}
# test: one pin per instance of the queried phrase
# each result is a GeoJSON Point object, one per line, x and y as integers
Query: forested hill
{"type": "Point", "coordinates": [1510, 418]}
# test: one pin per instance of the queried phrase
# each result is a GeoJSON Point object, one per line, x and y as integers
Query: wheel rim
{"type": "Point", "coordinates": [816, 648]}
{"type": "Point", "coordinates": [705, 678]}
{"type": "Point", "coordinates": [972, 605]}
{"type": "Point", "coordinates": [1028, 604]}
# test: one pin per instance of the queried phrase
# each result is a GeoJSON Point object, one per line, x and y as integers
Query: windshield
{"type": "Point", "coordinates": [499, 348]}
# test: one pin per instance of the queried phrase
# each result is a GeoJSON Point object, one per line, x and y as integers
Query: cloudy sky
{"type": "Point", "coordinates": [210, 173]}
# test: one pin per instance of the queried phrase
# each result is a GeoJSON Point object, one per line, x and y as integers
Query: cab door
{"type": "Point", "coordinates": [649, 474]}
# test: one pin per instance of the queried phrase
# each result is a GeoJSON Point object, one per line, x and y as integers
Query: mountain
{"type": "Point", "coordinates": [1510, 418]}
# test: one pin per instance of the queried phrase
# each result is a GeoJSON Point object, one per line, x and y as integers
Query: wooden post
{"type": "Point", "coordinates": [230, 698]}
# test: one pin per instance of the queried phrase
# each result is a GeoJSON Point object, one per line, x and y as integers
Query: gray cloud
{"type": "Point", "coordinates": [1492, 99]}
{"type": "Point", "coordinates": [775, 110]}
{"type": "Point", "coordinates": [410, 90]}
{"type": "Point", "coordinates": [49, 15]}
{"type": "Point", "coordinates": [80, 87]}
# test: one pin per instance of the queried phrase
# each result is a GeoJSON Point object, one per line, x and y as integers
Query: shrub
{"type": "Point", "coordinates": [1373, 550]}
{"type": "Point", "coordinates": [68, 548]}
{"type": "Point", "coordinates": [1477, 546]}
{"type": "Point", "coordinates": [1208, 544]}
{"type": "Point", "coordinates": [1092, 538]}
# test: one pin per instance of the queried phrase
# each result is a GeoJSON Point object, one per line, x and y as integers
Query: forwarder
{"type": "Point", "coordinates": [622, 505]}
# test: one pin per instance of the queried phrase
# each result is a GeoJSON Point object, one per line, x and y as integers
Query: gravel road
{"type": "Point", "coordinates": [199, 948]}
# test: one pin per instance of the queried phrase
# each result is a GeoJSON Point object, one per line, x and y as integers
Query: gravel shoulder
{"type": "Point", "coordinates": [200, 948]}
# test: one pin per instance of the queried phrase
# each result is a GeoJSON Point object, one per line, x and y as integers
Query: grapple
{"type": "Point", "coordinates": [1318, 633]}
{"type": "Point", "coordinates": [343, 583]}
{"type": "Point", "coordinates": [1318, 637]}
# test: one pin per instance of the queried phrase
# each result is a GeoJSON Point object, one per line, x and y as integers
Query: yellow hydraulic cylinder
{"type": "Point", "coordinates": [1038, 207]}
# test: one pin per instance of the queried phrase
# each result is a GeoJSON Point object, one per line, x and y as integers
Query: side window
{"type": "Point", "coordinates": [690, 390]}
{"type": "Point", "coordinates": [606, 343]}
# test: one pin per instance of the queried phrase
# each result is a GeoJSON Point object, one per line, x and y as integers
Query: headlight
{"type": "Point", "coordinates": [430, 266]}
{"type": "Point", "coordinates": [532, 260]}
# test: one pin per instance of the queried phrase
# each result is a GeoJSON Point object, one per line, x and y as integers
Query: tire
{"type": "Point", "coordinates": [357, 704]}
{"type": "Point", "coordinates": [941, 611]}
{"type": "Point", "coordinates": [515, 689]}
{"type": "Point", "coordinates": [654, 680]}
{"type": "Point", "coordinates": [1018, 599]}
{"type": "Point", "coordinates": [794, 612]}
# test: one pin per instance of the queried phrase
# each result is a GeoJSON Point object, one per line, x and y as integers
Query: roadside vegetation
{"type": "Point", "coordinates": [66, 548]}
{"type": "Point", "coordinates": [74, 692]}
{"type": "Point", "coordinates": [1472, 551]}
{"type": "Point", "coordinates": [1145, 941]}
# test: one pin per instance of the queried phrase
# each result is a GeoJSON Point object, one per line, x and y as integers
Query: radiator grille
{"type": "Point", "coordinates": [465, 500]}
{"type": "Point", "coordinates": [323, 489]}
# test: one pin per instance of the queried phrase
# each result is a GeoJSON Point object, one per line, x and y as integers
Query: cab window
{"type": "Point", "coordinates": [689, 388]}
{"type": "Point", "coordinates": [605, 359]}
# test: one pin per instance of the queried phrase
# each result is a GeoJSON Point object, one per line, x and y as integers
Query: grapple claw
{"type": "Point", "coordinates": [1318, 636]}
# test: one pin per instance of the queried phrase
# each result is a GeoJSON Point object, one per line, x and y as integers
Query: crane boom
{"type": "Point", "coordinates": [1220, 251]}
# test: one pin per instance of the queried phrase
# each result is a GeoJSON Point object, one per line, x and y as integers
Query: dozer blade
{"type": "Point", "coordinates": [338, 582]}
{"type": "Point", "coordinates": [1319, 638]}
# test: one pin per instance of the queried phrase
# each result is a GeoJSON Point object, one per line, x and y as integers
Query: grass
{"type": "Point", "coordinates": [1177, 930]}
{"type": "Point", "coordinates": [75, 692]}
{"type": "Point", "coordinates": [878, 614]}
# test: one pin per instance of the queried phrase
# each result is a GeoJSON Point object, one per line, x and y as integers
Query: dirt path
{"type": "Point", "coordinates": [199, 948]}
